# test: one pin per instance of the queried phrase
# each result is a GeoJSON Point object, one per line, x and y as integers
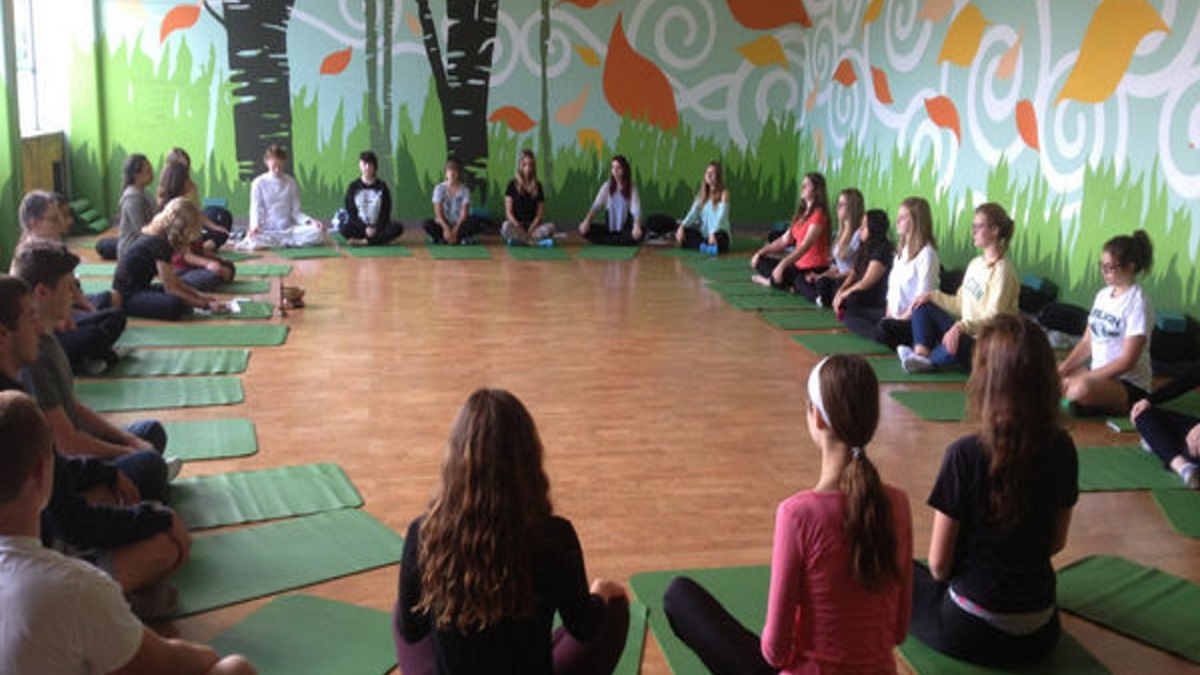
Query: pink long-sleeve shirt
{"type": "Point", "coordinates": [819, 620]}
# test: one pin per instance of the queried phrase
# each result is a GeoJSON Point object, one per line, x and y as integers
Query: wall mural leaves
{"type": "Point", "coordinates": [765, 51]}
{"type": "Point", "coordinates": [1027, 123]}
{"type": "Point", "coordinates": [590, 139]}
{"type": "Point", "coordinates": [1112, 36]}
{"type": "Point", "coordinates": [762, 15]}
{"type": "Point", "coordinates": [844, 73]}
{"type": "Point", "coordinates": [181, 17]}
{"type": "Point", "coordinates": [883, 92]}
{"type": "Point", "coordinates": [934, 11]}
{"type": "Point", "coordinates": [513, 117]}
{"type": "Point", "coordinates": [634, 86]}
{"type": "Point", "coordinates": [588, 55]}
{"type": "Point", "coordinates": [1008, 63]}
{"type": "Point", "coordinates": [585, 4]}
{"type": "Point", "coordinates": [944, 113]}
{"type": "Point", "coordinates": [962, 40]}
{"type": "Point", "coordinates": [568, 115]}
{"type": "Point", "coordinates": [414, 24]}
{"type": "Point", "coordinates": [811, 101]}
{"type": "Point", "coordinates": [335, 63]}
{"type": "Point", "coordinates": [873, 11]}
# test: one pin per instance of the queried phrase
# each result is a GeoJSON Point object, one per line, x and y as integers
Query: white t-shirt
{"type": "Point", "coordinates": [1114, 319]}
{"type": "Point", "coordinates": [275, 203]}
{"type": "Point", "coordinates": [911, 278]}
{"type": "Point", "coordinates": [60, 616]}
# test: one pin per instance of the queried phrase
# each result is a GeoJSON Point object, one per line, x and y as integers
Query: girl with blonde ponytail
{"type": "Point", "coordinates": [841, 571]}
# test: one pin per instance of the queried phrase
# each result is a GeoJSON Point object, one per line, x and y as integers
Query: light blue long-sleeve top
{"type": "Point", "coordinates": [711, 217]}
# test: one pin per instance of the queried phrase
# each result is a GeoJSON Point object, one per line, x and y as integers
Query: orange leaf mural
{"type": "Point", "coordinates": [764, 15]}
{"type": "Point", "coordinates": [583, 4]}
{"type": "Point", "coordinates": [811, 101]}
{"type": "Point", "coordinates": [1114, 33]}
{"type": "Point", "coordinates": [635, 86]}
{"type": "Point", "coordinates": [873, 11]}
{"type": "Point", "coordinates": [570, 113]}
{"type": "Point", "coordinates": [844, 74]}
{"type": "Point", "coordinates": [962, 40]}
{"type": "Point", "coordinates": [513, 117]}
{"type": "Point", "coordinates": [764, 51]}
{"type": "Point", "coordinates": [944, 114]}
{"type": "Point", "coordinates": [590, 139]}
{"type": "Point", "coordinates": [883, 91]}
{"type": "Point", "coordinates": [414, 24]}
{"type": "Point", "coordinates": [1027, 124]}
{"type": "Point", "coordinates": [935, 10]}
{"type": "Point", "coordinates": [336, 62]}
{"type": "Point", "coordinates": [179, 18]}
{"type": "Point", "coordinates": [1008, 63]}
{"type": "Point", "coordinates": [819, 145]}
{"type": "Point", "coordinates": [588, 55]}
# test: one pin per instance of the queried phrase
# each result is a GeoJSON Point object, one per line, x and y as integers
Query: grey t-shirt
{"type": "Point", "coordinates": [49, 379]}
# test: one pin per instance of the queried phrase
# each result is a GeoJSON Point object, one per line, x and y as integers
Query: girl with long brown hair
{"type": "Point", "coordinates": [525, 206]}
{"type": "Point", "coordinates": [841, 571]}
{"type": "Point", "coordinates": [197, 266]}
{"type": "Point", "coordinates": [1002, 507]}
{"type": "Point", "coordinates": [706, 225]}
{"type": "Point", "coordinates": [774, 265]}
{"type": "Point", "coordinates": [488, 565]}
{"type": "Point", "coordinates": [618, 199]}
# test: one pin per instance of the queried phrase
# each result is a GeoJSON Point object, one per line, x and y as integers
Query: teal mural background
{"type": "Point", "coordinates": [971, 108]}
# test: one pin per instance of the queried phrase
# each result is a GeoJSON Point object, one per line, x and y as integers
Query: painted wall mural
{"type": "Point", "coordinates": [10, 159]}
{"type": "Point", "coordinates": [1083, 117]}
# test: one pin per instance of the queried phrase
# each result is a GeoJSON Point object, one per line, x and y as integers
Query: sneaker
{"type": "Point", "coordinates": [913, 362]}
{"type": "Point", "coordinates": [156, 602]}
{"type": "Point", "coordinates": [1191, 477]}
{"type": "Point", "coordinates": [95, 366]}
{"type": "Point", "coordinates": [761, 280]}
{"type": "Point", "coordinates": [546, 243]}
{"type": "Point", "coordinates": [904, 352]}
{"type": "Point", "coordinates": [174, 467]}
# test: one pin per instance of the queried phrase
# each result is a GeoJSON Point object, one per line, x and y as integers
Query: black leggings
{"type": "Point", "coordinates": [599, 233]}
{"type": "Point", "coordinates": [93, 337]}
{"type": "Point", "coordinates": [471, 227]}
{"type": "Point", "coordinates": [692, 239]}
{"type": "Point", "coordinates": [383, 234]}
{"type": "Point", "coordinates": [155, 303]}
{"type": "Point", "coordinates": [1165, 431]}
{"type": "Point", "coordinates": [721, 642]}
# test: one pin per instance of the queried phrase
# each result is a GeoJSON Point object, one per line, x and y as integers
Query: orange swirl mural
{"type": "Point", "coordinates": [635, 87]}
{"type": "Point", "coordinates": [1114, 33]}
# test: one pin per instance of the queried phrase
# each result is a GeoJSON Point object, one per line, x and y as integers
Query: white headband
{"type": "Point", "coordinates": [814, 395]}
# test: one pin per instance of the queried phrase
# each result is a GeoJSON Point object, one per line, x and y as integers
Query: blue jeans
{"type": "Point", "coordinates": [929, 324]}
{"type": "Point", "coordinates": [146, 469]}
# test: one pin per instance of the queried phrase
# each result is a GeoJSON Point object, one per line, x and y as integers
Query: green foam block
{"type": "Point", "coordinates": [163, 362]}
{"type": "Point", "coordinates": [1144, 603]}
{"type": "Point", "coordinates": [1111, 469]}
{"type": "Point", "coordinates": [210, 439]}
{"type": "Point", "coordinates": [597, 252]}
{"type": "Point", "coordinates": [890, 370]}
{"type": "Point", "coordinates": [934, 405]}
{"type": "Point", "coordinates": [740, 590]}
{"type": "Point", "coordinates": [265, 494]}
{"type": "Point", "coordinates": [396, 251]}
{"type": "Point", "coordinates": [537, 253]}
{"type": "Point", "coordinates": [459, 252]}
{"type": "Point", "coordinates": [305, 635]}
{"type": "Point", "coordinates": [802, 319]}
{"type": "Point", "coordinates": [200, 334]}
{"type": "Point", "coordinates": [840, 343]}
{"type": "Point", "coordinates": [1068, 658]}
{"type": "Point", "coordinates": [1181, 507]}
{"type": "Point", "coordinates": [229, 567]}
{"type": "Point", "coordinates": [307, 252]}
{"type": "Point", "coordinates": [159, 392]}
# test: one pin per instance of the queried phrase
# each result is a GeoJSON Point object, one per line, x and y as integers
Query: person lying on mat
{"type": "Point", "coordinates": [62, 616]}
{"type": "Point", "coordinates": [618, 199]}
{"type": "Point", "coordinates": [368, 207]}
{"type": "Point", "coordinates": [841, 571]}
{"type": "Point", "coordinates": [525, 206]}
{"type": "Point", "coordinates": [452, 222]}
{"type": "Point", "coordinates": [276, 220]}
{"type": "Point", "coordinates": [487, 566]}
{"type": "Point", "coordinates": [1002, 505]}
{"type": "Point", "coordinates": [861, 300]}
{"type": "Point", "coordinates": [1173, 437]}
{"type": "Point", "coordinates": [1117, 340]}
{"type": "Point", "coordinates": [944, 326]}
{"type": "Point", "coordinates": [775, 266]}
{"type": "Point", "coordinates": [915, 273]}
{"type": "Point", "coordinates": [706, 225]}
{"type": "Point", "coordinates": [172, 231]}
{"type": "Point", "coordinates": [196, 266]}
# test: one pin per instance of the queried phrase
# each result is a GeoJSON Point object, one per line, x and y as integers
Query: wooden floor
{"type": "Point", "coordinates": [673, 423]}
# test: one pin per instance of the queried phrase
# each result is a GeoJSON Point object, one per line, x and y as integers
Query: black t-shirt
{"type": "Point", "coordinates": [525, 205]}
{"type": "Point", "coordinates": [1005, 571]}
{"type": "Point", "coordinates": [520, 646]}
{"type": "Point", "coordinates": [875, 296]}
{"type": "Point", "coordinates": [138, 267]}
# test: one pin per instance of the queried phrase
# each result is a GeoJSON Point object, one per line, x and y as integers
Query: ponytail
{"type": "Point", "coordinates": [1134, 249]}
{"type": "Point", "coordinates": [870, 528]}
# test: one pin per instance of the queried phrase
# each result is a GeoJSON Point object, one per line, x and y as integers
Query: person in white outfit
{"type": "Point", "coordinates": [276, 220]}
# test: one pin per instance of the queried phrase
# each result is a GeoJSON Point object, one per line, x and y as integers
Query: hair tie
{"type": "Point", "coordinates": [814, 390]}
{"type": "Point", "coordinates": [856, 453]}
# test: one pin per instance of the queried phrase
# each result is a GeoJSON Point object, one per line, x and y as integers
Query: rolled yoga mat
{"type": "Point", "coordinates": [263, 494]}
{"type": "Point", "coordinates": [1181, 507]}
{"type": "Point", "coordinates": [229, 567]}
{"type": "Point", "coordinates": [1119, 468]}
{"type": "Point", "coordinates": [211, 439]}
{"type": "Point", "coordinates": [537, 253]}
{"type": "Point", "coordinates": [939, 405]}
{"type": "Point", "coordinates": [201, 334]}
{"type": "Point", "coordinates": [600, 252]}
{"type": "Point", "coordinates": [1068, 658]}
{"type": "Point", "coordinates": [741, 590]}
{"type": "Point", "coordinates": [841, 343]}
{"type": "Point", "coordinates": [163, 362]}
{"type": "Point", "coordinates": [304, 635]}
{"type": "Point", "coordinates": [306, 252]}
{"type": "Point", "coordinates": [802, 319]}
{"type": "Point", "coordinates": [1144, 603]}
{"type": "Point", "coordinates": [159, 392]}
{"type": "Point", "coordinates": [459, 252]}
{"type": "Point", "coordinates": [396, 251]}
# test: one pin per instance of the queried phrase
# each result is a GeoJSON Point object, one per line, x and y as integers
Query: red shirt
{"type": "Point", "coordinates": [818, 255]}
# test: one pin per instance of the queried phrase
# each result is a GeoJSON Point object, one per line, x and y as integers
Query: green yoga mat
{"type": "Point", "coordinates": [459, 252]}
{"type": "Point", "coordinates": [162, 362]}
{"type": "Point", "coordinates": [730, 289]}
{"type": "Point", "coordinates": [211, 439]}
{"type": "Point", "coordinates": [305, 635]}
{"type": "Point", "coordinates": [159, 392]}
{"type": "Point", "coordinates": [239, 256]}
{"type": "Point", "coordinates": [776, 300]}
{"type": "Point", "coordinates": [379, 251]}
{"type": "Point", "coordinates": [262, 270]}
{"type": "Point", "coordinates": [230, 567]}
{"type": "Point", "coordinates": [802, 319]}
{"type": "Point", "coordinates": [1144, 603]}
{"type": "Point", "coordinates": [307, 252]}
{"type": "Point", "coordinates": [888, 369]}
{"type": "Point", "coordinates": [720, 274]}
{"type": "Point", "coordinates": [1068, 658]}
{"type": "Point", "coordinates": [204, 335]}
{"type": "Point", "coordinates": [684, 253]}
{"type": "Point", "coordinates": [1111, 469]}
{"type": "Point", "coordinates": [741, 590]}
{"type": "Point", "coordinates": [247, 309]}
{"type": "Point", "coordinates": [1181, 507]}
{"type": "Point", "coordinates": [91, 285]}
{"type": "Point", "coordinates": [1188, 404]}
{"type": "Point", "coordinates": [630, 662]}
{"type": "Point", "coordinates": [934, 405]}
{"type": "Point", "coordinates": [840, 343]}
{"type": "Point", "coordinates": [599, 252]}
{"type": "Point", "coordinates": [537, 253]}
{"type": "Point", "coordinates": [702, 265]}
{"type": "Point", "coordinates": [265, 494]}
{"type": "Point", "coordinates": [244, 287]}
{"type": "Point", "coordinates": [104, 269]}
